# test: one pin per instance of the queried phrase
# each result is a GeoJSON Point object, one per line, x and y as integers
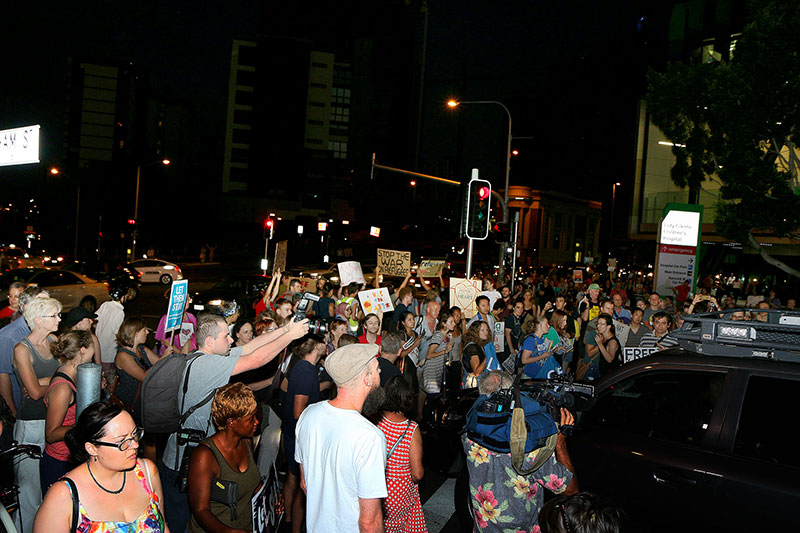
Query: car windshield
{"type": "Point", "coordinates": [229, 284]}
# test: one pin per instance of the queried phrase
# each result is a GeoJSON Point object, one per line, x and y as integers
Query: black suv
{"type": "Point", "coordinates": [698, 438]}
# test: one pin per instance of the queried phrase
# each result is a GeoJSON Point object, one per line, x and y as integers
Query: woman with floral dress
{"type": "Point", "coordinates": [402, 507]}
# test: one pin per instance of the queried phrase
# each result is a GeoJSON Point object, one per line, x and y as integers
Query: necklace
{"type": "Point", "coordinates": [124, 479]}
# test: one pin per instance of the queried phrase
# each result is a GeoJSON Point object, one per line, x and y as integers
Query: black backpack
{"type": "Point", "coordinates": [163, 393]}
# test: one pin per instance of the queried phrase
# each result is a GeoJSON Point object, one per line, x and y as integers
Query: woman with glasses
{"type": "Point", "coordinates": [34, 364]}
{"type": "Point", "coordinates": [73, 348]}
{"type": "Point", "coordinates": [112, 489]}
{"type": "Point", "coordinates": [226, 456]}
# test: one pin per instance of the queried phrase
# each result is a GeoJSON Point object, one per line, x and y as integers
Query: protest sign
{"type": "Point", "coordinates": [463, 293]}
{"type": "Point", "coordinates": [394, 262]}
{"type": "Point", "coordinates": [499, 337]}
{"type": "Point", "coordinates": [577, 276]}
{"type": "Point", "coordinates": [630, 354]}
{"type": "Point", "coordinates": [266, 517]}
{"type": "Point", "coordinates": [350, 271]}
{"type": "Point", "coordinates": [430, 268]}
{"type": "Point", "coordinates": [375, 299]}
{"type": "Point", "coordinates": [177, 301]}
{"type": "Point", "coordinates": [280, 257]}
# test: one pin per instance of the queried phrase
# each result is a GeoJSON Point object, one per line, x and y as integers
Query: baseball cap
{"type": "Point", "coordinates": [594, 287]}
{"type": "Point", "coordinates": [75, 315]}
{"type": "Point", "coordinates": [346, 362]}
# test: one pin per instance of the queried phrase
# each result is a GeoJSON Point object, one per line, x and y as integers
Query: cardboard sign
{"type": "Point", "coordinates": [394, 262]}
{"type": "Point", "coordinates": [266, 519]}
{"type": "Point", "coordinates": [463, 293]}
{"type": "Point", "coordinates": [280, 257]}
{"type": "Point", "coordinates": [177, 301]}
{"type": "Point", "coordinates": [375, 299]}
{"type": "Point", "coordinates": [350, 271]}
{"type": "Point", "coordinates": [306, 285]}
{"type": "Point", "coordinates": [631, 354]}
{"type": "Point", "coordinates": [430, 268]}
{"type": "Point", "coordinates": [577, 276]}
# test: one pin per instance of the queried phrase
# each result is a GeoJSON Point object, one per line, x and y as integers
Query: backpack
{"type": "Point", "coordinates": [164, 390]}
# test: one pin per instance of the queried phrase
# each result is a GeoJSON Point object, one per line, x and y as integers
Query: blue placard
{"type": "Point", "coordinates": [177, 300]}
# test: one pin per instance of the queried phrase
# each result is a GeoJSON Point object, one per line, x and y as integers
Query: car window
{"type": "Point", "coordinates": [68, 278]}
{"type": "Point", "coordinates": [49, 278]}
{"type": "Point", "coordinates": [671, 405]}
{"type": "Point", "coordinates": [767, 408]}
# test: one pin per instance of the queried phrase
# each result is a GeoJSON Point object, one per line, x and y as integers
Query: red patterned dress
{"type": "Point", "coordinates": [402, 509]}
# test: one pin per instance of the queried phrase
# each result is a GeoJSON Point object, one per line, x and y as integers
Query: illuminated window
{"type": "Point", "coordinates": [338, 148]}
{"type": "Point", "coordinates": [340, 114]}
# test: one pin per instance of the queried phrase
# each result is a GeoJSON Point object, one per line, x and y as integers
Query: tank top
{"type": "Point", "coordinates": [150, 521]}
{"type": "Point", "coordinates": [605, 366]}
{"type": "Point", "coordinates": [128, 387]}
{"type": "Point", "coordinates": [35, 409]}
{"type": "Point", "coordinates": [58, 450]}
{"type": "Point", "coordinates": [248, 482]}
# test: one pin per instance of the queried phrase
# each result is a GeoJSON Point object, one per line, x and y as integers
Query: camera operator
{"type": "Point", "coordinates": [514, 501]}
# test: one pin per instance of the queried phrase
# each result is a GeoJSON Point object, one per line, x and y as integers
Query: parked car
{"type": "Point", "coordinates": [127, 276]}
{"type": "Point", "coordinates": [70, 288]}
{"type": "Point", "coordinates": [157, 271]}
{"type": "Point", "coordinates": [245, 289]}
{"type": "Point", "coordinates": [696, 438]}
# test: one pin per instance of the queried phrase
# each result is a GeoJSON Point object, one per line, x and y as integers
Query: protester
{"type": "Point", "coordinates": [537, 354]}
{"type": "Point", "coordinates": [105, 441]}
{"type": "Point", "coordinates": [390, 357]}
{"type": "Point", "coordinates": [439, 347]}
{"type": "Point", "coordinates": [73, 348]}
{"type": "Point", "coordinates": [132, 362]}
{"type": "Point", "coordinates": [638, 330]}
{"type": "Point", "coordinates": [79, 319]}
{"type": "Point", "coordinates": [484, 312]}
{"type": "Point", "coordinates": [181, 340]}
{"type": "Point", "coordinates": [607, 349]}
{"type": "Point", "coordinates": [659, 338]}
{"type": "Point", "coordinates": [372, 328]}
{"type": "Point", "coordinates": [474, 357]}
{"type": "Point", "coordinates": [564, 351]}
{"type": "Point", "coordinates": [336, 329]}
{"type": "Point", "coordinates": [225, 457]}
{"type": "Point", "coordinates": [405, 305]}
{"type": "Point", "coordinates": [513, 329]}
{"type": "Point", "coordinates": [34, 364]}
{"type": "Point", "coordinates": [14, 290]}
{"type": "Point", "coordinates": [242, 332]}
{"type": "Point", "coordinates": [110, 315]}
{"type": "Point", "coordinates": [404, 470]}
{"type": "Point", "coordinates": [341, 454]}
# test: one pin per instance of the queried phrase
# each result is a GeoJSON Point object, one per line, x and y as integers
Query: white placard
{"type": "Point", "coordinates": [631, 354]}
{"type": "Point", "coordinates": [375, 299]}
{"type": "Point", "coordinates": [19, 146]}
{"type": "Point", "coordinates": [463, 293]}
{"type": "Point", "coordinates": [350, 271]}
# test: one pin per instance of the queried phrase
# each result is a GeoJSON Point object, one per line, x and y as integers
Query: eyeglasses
{"type": "Point", "coordinates": [49, 316]}
{"type": "Point", "coordinates": [124, 444]}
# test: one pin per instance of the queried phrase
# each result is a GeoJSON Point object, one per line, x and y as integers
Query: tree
{"type": "Point", "coordinates": [737, 122]}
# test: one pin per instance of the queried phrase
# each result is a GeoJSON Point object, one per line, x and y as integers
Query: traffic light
{"type": "Point", "coordinates": [479, 194]}
{"type": "Point", "coordinates": [269, 227]}
{"type": "Point", "coordinates": [502, 232]}
{"type": "Point", "coordinates": [132, 221]}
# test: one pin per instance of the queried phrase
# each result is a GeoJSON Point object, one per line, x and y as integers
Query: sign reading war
{"type": "Point", "coordinates": [394, 262]}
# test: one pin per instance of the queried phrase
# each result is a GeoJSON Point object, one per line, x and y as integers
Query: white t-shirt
{"type": "Point", "coordinates": [343, 457]}
{"type": "Point", "coordinates": [109, 318]}
{"type": "Point", "coordinates": [493, 296]}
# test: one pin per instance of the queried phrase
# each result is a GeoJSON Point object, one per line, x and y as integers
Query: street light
{"type": "Point", "coordinates": [611, 221]}
{"type": "Point", "coordinates": [55, 172]}
{"type": "Point", "coordinates": [164, 162]}
{"type": "Point", "coordinates": [455, 103]}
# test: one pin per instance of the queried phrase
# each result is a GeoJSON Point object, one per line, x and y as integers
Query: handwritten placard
{"type": "Point", "coordinates": [394, 262]}
{"type": "Point", "coordinates": [350, 271]}
{"type": "Point", "coordinates": [266, 512]}
{"type": "Point", "coordinates": [280, 257]}
{"type": "Point", "coordinates": [430, 268]}
{"type": "Point", "coordinates": [631, 354]}
{"type": "Point", "coordinates": [463, 293]}
{"type": "Point", "coordinates": [375, 299]}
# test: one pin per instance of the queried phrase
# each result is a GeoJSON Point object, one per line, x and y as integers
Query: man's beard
{"type": "Point", "coordinates": [372, 409]}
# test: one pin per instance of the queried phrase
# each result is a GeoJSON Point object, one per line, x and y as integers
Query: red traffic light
{"type": "Point", "coordinates": [484, 193]}
{"type": "Point", "coordinates": [131, 221]}
{"type": "Point", "coordinates": [269, 223]}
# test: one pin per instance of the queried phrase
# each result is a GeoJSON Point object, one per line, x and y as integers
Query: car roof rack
{"type": "Point", "coordinates": [717, 333]}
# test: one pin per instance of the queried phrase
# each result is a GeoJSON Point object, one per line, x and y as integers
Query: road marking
{"type": "Point", "coordinates": [439, 507]}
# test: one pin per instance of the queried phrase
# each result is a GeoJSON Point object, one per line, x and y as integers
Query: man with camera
{"type": "Point", "coordinates": [501, 499]}
{"type": "Point", "coordinates": [212, 369]}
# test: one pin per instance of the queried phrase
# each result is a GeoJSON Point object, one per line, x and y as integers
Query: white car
{"type": "Point", "coordinates": [157, 271]}
{"type": "Point", "coordinates": [69, 288]}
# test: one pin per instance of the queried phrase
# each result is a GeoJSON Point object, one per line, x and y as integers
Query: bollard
{"type": "Point", "coordinates": [89, 376]}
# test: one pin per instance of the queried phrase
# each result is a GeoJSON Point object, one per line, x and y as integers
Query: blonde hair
{"type": "Point", "coordinates": [232, 401]}
{"type": "Point", "coordinates": [39, 307]}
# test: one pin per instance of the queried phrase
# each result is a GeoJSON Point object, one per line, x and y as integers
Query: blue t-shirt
{"type": "Point", "coordinates": [10, 335]}
{"type": "Point", "coordinates": [539, 369]}
{"type": "Point", "coordinates": [492, 363]}
{"type": "Point", "coordinates": [303, 380]}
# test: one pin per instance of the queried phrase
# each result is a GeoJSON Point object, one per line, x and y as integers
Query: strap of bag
{"type": "Point", "coordinates": [73, 490]}
{"type": "Point", "coordinates": [518, 437]}
{"type": "Point", "coordinates": [192, 409]}
{"type": "Point", "coordinates": [394, 446]}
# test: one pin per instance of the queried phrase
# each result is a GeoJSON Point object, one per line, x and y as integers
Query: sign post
{"type": "Point", "coordinates": [678, 245]}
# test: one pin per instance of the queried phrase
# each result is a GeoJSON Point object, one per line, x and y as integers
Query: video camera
{"type": "Point", "coordinates": [316, 326]}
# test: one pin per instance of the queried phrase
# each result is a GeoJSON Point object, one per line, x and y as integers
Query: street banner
{"type": "Point", "coordinates": [577, 276]}
{"type": "Point", "coordinates": [631, 354]}
{"type": "Point", "coordinates": [375, 299]}
{"type": "Point", "coordinates": [463, 293]}
{"type": "Point", "coordinates": [350, 271]}
{"type": "Point", "coordinates": [280, 257]}
{"type": "Point", "coordinates": [177, 301]}
{"type": "Point", "coordinates": [430, 268]}
{"type": "Point", "coordinates": [266, 514]}
{"type": "Point", "coordinates": [394, 262]}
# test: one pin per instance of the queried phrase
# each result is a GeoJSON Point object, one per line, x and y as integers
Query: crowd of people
{"type": "Point", "coordinates": [350, 400]}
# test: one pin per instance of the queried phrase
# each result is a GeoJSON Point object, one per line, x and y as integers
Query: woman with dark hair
{"type": "Point", "coordinates": [133, 360]}
{"type": "Point", "coordinates": [409, 353]}
{"type": "Point", "coordinates": [73, 348]}
{"type": "Point", "coordinates": [474, 357]}
{"type": "Point", "coordinates": [226, 456]}
{"type": "Point", "coordinates": [564, 350]}
{"type": "Point", "coordinates": [580, 513]}
{"type": "Point", "coordinates": [439, 347]}
{"type": "Point", "coordinates": [402, 508]}
{"type": "Point", "coordinates": [105, 440]}
{"type": "Point", "coordinates": [242, 332]}
{"type": "Point", "coordinates": [608, 346]}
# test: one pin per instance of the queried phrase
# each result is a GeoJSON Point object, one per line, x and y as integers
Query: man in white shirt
{"type": "Point", "coordinates": [109, 318]}
{"type": "Point", "coordinates": [490, 292]}
{"type": "Point", "coordinates": [342, 455]}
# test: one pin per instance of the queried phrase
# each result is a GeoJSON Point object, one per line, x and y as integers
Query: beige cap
{"type": "Point", "coordinates": [348, 361]}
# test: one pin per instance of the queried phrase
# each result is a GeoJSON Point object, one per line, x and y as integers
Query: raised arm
{"type": "Point", "coordinates": [267, 351]}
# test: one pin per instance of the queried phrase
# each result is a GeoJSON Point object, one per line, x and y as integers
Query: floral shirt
{"type": "Point", "coordinates": [503, 501]}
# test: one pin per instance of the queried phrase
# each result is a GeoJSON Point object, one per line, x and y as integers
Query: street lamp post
{"type": "Point", "coordinates": [456, 103]}
{"type": "Point", "coordinates": [55, 172]}
{"type": "Point", "coordinates": [164, 162]}
{"type": "Point", "coordinates": [611, 220]}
